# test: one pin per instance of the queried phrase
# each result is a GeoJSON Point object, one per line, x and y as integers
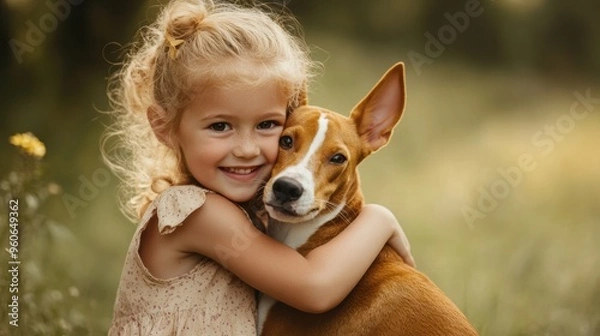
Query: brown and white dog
{"type": "Point", "coordinates": [314, 194]}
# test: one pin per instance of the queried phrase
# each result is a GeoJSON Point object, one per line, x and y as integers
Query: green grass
{"type": "Point", "coordinates": [531, 266]}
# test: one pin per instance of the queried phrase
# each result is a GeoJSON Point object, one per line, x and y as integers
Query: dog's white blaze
{"type": "Point", "coordinates": [301, 173]}
{"type": "Point", "coordinates": [318, 140]}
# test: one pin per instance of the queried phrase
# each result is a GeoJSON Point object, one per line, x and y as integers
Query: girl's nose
{"type": "Point", "coordinates": [246, 147]}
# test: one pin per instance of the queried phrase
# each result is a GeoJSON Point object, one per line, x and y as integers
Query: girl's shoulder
{"type": "Point", "coordinates": [189, 220]}
{"type": "Point", "coordinates": [174, 205]}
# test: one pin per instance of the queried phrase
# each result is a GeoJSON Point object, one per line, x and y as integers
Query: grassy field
{"type": "Point", "coordinates": [494, 178]}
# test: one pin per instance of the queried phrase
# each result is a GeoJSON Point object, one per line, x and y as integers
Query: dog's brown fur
{"type": "Point", "coordinates": [392, 298]}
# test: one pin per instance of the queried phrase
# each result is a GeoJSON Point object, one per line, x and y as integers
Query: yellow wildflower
{"type": "Point", "coordinates": [29, 143]}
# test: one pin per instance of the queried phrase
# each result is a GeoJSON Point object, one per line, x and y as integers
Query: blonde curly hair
{"type": "Point", "coordinates": [193, 45]}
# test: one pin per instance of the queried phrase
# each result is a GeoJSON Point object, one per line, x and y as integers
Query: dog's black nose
{"type": "Point", "coordinates": [287, 190]}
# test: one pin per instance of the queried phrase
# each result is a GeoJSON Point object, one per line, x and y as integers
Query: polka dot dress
{"type": "Point", "coordinates": [207, 300]}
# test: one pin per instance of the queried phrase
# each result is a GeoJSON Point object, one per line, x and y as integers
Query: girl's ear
{"type": "Point", "coordinates": [157, 118]}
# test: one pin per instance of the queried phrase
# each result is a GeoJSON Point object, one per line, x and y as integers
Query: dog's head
{"type": "Point", "coordinates": [315, 172]}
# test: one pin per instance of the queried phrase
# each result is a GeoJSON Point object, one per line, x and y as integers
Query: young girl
{"type": "Point", "coordinates": [200, 106]}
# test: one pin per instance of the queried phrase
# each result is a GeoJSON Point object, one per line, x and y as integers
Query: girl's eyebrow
{"type": "Point", "coordinates": [274, 114]}
{"type": "Point", "coordinates": [268, 114]}
{"type": "Point", "coordinates": [230, 116]}
{"type": "Point", "coordinates": [218, 116]}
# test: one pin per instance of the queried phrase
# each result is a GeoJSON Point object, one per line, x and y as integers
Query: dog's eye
{"type": "Point", "coordinates": [338, 159]}
{"type": "Point", "coordinates": [286, 142]}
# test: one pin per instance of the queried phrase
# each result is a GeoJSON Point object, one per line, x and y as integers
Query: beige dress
{"type": "Point", "coordinates": [208, 300]}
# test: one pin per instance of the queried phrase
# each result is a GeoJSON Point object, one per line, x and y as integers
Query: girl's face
{"type": "Point", "coordinates": [230, 137]}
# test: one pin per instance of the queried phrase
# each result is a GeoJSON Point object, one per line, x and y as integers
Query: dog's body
{"type": "Point", "coordinates": [315, 193]}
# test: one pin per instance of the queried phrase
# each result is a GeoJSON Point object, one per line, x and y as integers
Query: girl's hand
{"type": "Point", "coordinates": [398, 241]}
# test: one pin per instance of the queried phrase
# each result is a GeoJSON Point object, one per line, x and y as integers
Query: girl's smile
{"type": "Point", "coordinates": [230, 144]}
{"type": "Point", "coordinates": [243, 174]}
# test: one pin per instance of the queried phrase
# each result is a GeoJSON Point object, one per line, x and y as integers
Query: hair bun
{"type": "Point", "coordinates": [184, 21]}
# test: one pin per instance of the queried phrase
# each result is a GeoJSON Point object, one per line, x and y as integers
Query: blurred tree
{"type": "Point", "coordinates": [558, 36]}
{"type": "Point", "coordinates": [57, 55]}
{"type": "Point", "coordinates": [59, 81]}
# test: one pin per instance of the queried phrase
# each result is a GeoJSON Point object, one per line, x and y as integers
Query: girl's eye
{"type": "Point", "coordinates": [286, 142]}
{"type": "Point", "coordinates": [219, 127]}
{"type": "Point", "coordinates": [338, 159]}
{"type": "Point", "coordinates": [268, 124]}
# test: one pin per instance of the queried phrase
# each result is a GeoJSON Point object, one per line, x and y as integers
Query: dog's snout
{"type": "Point", "coordinates": [287, 190]}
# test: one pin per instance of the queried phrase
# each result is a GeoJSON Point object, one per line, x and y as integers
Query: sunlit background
{"type": "Point", "coordinates": [494, 170]}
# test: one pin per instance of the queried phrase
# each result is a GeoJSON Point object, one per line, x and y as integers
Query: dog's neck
{"type": "Point", "coordinates": [296, 235]}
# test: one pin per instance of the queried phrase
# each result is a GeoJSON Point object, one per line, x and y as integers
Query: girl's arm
{"type": "Point", "coordinates": [314, 283]}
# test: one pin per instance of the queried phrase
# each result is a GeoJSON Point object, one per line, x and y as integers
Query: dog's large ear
{"type": "Point", "coordinates": [379, 112]}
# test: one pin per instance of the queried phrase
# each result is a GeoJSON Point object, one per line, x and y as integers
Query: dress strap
{"type": "Point", "coordinates": [175, 204]}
